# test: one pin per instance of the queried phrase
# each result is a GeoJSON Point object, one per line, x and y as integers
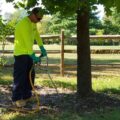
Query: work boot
{"type": "Point", "coordinates": [32, 98]}
{"type": "Point", "coordinates": [19, 103]}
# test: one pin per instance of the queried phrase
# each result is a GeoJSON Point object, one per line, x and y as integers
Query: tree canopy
{"type": "Point", "coordinates": [111, 23]}
{"type": "Point", "coordinates": [64, 5]}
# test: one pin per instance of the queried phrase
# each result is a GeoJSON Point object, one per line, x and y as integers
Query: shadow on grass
{"type": "Point", "coordinates": [53, 60]}
{"type": "Point", "coordinates": [5, 82]}
{"type": "Point", "coordinates": [111, 91]}
{"type": "Point", "coordinates": [72, 71]}
{"type": "Point", "coordinates": [70, 101]}
{"type": "Point", "coordinates": [68, 105]}
{"type": "Point", "coordinates": [6, 76]}
{"type": "Point", "coordinates": [113, 61]}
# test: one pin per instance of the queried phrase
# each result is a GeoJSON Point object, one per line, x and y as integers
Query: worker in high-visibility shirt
{"type": "Point", "coordinates": [25, 34]}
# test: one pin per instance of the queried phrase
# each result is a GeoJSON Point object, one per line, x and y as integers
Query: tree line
{"type": "Point", "coordinates": [54, 23]}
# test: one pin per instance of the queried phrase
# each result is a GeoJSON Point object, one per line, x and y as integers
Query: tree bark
{"type": "Point", "coordinates": [84, 85]}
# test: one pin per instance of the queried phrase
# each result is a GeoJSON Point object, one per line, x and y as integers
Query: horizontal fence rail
{"type": "Point", "coordinates": [109, 37]}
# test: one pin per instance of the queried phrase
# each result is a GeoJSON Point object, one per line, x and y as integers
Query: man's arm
{"type": "Point", "coordinates": [40, 43]}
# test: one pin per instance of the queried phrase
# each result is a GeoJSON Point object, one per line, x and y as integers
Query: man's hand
{"type": "Point", "coordinates": [43, 51]}
{"type": "Point", "coordinates": [35, 58]}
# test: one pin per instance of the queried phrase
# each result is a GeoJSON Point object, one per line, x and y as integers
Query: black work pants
{"type": "Point", "coordinates": [22, 88]}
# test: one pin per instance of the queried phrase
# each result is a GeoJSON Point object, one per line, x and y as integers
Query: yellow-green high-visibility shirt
{"type": "Point", "coordinates": [25, 34]}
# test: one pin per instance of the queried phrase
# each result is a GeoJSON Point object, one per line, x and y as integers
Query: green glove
{"type": "Point", "coordinates": [43, 51]}
{"type": "Point", "coordinates": [35, 58]}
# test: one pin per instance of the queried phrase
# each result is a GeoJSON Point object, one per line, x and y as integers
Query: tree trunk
{"type": "Point", "coordinates": [84, 86]}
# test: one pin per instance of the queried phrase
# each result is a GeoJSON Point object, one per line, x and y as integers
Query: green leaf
{"type": "Point", "coordinates": [31, 3]}
{"type": "Point", "coordinates": [16, 6]}
{"type": "Point", "coordinates": [21, 4]}
{"type": "Point", "coordinates": [9, 0]}
{"type": "Point", "coordinates": [94, 7]}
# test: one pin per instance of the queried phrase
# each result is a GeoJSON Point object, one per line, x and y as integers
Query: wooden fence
{"type": "Point", "coordinates": [62, 50]}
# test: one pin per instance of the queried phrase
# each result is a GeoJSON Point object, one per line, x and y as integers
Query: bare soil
{"type": "Point", "coordinates": [66, 99]}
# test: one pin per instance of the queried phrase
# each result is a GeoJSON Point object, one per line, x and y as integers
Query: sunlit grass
{"type": "Point", "coordinates": [65, 115]}
{"type": "Point", "coordinates": [6, 76]}
{"type": "Point", "coordinates": [9, 116]}
{"type": "Point", "coordinates": [106, 84]}
{"type": "Point", "coordinates": [100, 83]}
{"type": "Point", "coordinates": [60, 82]}
{"type": "Point", "coordinates": [57, 46]}
{"type": "Point", "coordinates": [71, 58]}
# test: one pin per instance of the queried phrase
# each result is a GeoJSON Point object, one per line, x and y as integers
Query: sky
{"type": "Point", "coordinates": [8, 8]}
{"type": "Point", "coordinates": [101, 9]}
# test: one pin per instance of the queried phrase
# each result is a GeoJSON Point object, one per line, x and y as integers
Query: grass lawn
{"type": "Point", "coordinates": [99, 108]}
{"type": "Point", "coordinates": [65, 115]}
{"type": "Point", "coordinates": [104, 104]}
{"type": "Point", "coordinates": [70, 58]}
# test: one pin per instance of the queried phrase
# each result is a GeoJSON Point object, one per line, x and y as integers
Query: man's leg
{"type": "Point", "coordinates": [30, 70]}
{"type": "Point", "coordinates": [20, 87]}
{"type": "Point", "coordinates": [19, 83]}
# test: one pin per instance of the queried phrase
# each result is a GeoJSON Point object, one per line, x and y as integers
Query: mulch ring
{"type": "Point", "coordinates": [66, 99]}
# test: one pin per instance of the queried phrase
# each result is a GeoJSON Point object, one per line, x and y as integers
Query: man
{"type": "Point", "coordinates": [25, 34]}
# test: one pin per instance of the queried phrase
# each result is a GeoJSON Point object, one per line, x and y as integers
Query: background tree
{"type": "Point", "coordinates": [112, 23]}
{"type": "Point", "coordinates": [43, 26]}
{"type": "Point", "coordinates": [5, 29]}
{"type": "Point", "coordinates": [95, 24]}
{"type": "Point", "coordinates": [58, 22]}
{"type": "Point", "coordinates": [82, 9]}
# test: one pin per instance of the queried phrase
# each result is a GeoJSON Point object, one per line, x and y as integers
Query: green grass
{"type": "Point", "coordinates": [102, 83]}
{"type": "Point", "coordinates": [57, 47]}
{"type": "Point", "coordinates": [71, 58]}
{"type": "Point", "coordinates": [99, 82]}
{"type": "Point", "coordinates": [66, 115]}
{"type": "Point", "coordinates": [69, 83]}
{"type": "Point", "coordinates": [110, 84]}
{"type": "Point", "coordinates": [6, 76]}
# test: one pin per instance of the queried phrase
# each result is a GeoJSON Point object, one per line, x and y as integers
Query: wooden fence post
{"type": "Point", "coordinates": [62, 53]}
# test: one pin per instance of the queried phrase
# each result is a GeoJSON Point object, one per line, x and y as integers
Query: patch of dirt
{"type": "Point", "coordinates": [66, 99]}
